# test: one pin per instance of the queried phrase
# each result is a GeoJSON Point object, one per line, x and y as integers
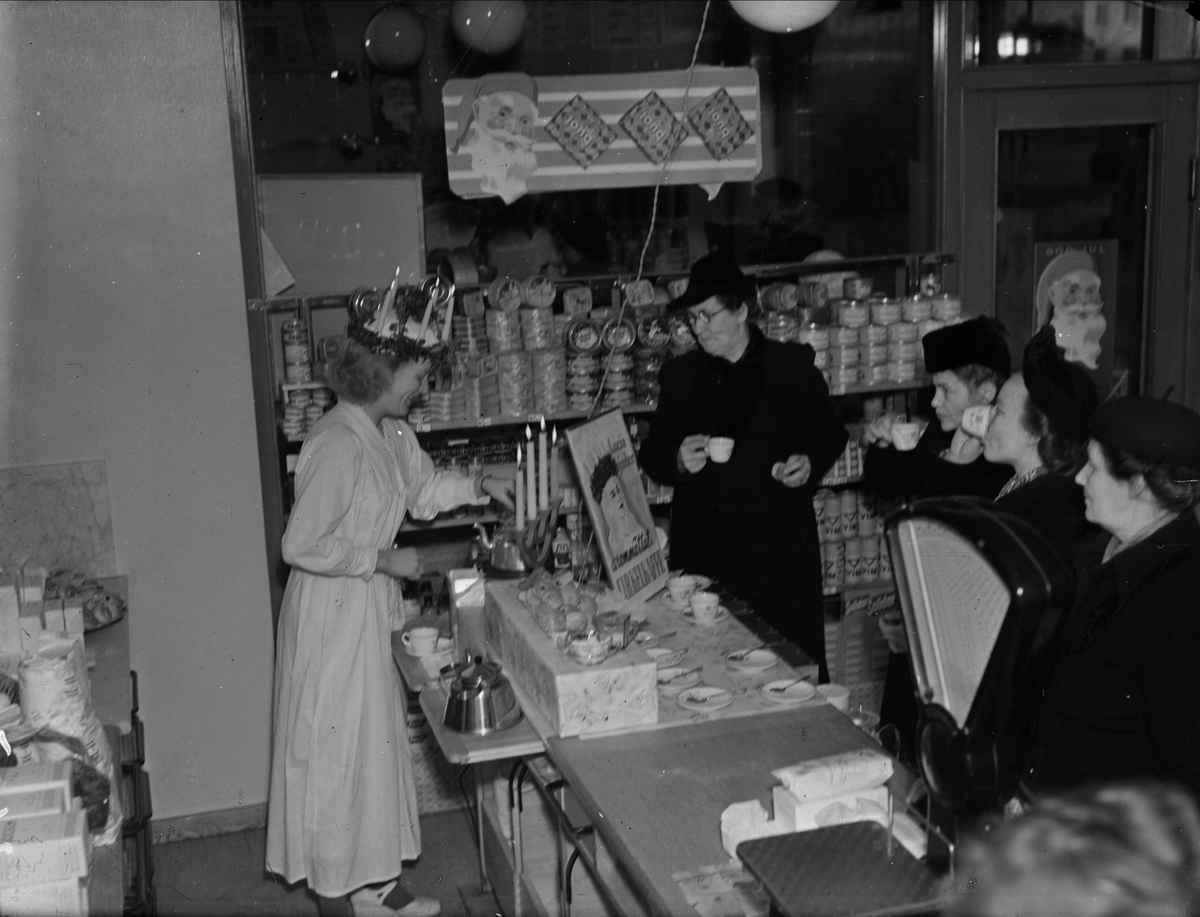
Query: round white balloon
{"type": "Point", "coordinates": [783, 15]}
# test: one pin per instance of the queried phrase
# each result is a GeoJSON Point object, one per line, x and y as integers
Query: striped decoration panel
{"type": "Point", "coordinates": [613, 130]}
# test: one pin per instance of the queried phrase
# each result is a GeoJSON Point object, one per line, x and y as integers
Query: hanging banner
{"type": "Point", "coordinates": [508, 133]}
{"type": "Point", "coordinates": [612, 489]}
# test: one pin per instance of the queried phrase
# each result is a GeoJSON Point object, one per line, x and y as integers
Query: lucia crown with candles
{"type": "Point", "coordinates": [400, 323]}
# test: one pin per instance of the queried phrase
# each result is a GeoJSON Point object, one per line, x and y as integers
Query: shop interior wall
{"type": "Point", "coordinates": [123, 338]}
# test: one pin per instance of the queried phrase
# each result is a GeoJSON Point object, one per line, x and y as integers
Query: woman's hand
{"type": "Point", "coordinates": [499, 489]}
{"type": "Point", "coordinates": [401, 563]}
{"type": "Point", "coordinates": [891, 625]}
{"type": "Point", "coordinates": [879, 431]}
{"type": "Point", "coordinates": [693, 454]}
{"type": "Point", "coordinates": [794, 472]}
{"type": "Point", "coordinates": [964, 448]}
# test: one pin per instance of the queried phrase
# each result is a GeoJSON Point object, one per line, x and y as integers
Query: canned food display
{"type": "Point", "coordinates": [852, 313]}
{"type": "Point", "coordinates": [583, 335]}
{"type": "Point", "coordinates": [857, 287]}
{"type": "Point", "coordinates": [873, 334]}
{"type": "Point", "coordinates": [903, 332]}
{"type": "Point", "coordinates": [577, 300]}
{"type": "Point", "coordinates": [654, 333]}
{"type": "Point", "coordinates": [885, 311]}
{"type": "Point", "coordinates": [844, 337]}
{"type": "Point", "coordinates": [539, 292]}
{"type": "Point", "coordinates": [947, 308]}
{"type": "Point", "coordinates": [916, 309]}
{"type": "Point", "coordinates": [815, 336]}
{"type": "Point", "coordinates": [618, 335]}
{"type": "Point", "coordinates": [504, 294]}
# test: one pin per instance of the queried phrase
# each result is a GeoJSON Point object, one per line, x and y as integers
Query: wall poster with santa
{"type": "Point", "coordinates": [508, 134]}
{"type": "Point", "coordinates": [1075, 290]}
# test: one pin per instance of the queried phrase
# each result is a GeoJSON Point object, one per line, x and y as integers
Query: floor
{"type": "Point", "coordinates": [224, 875]}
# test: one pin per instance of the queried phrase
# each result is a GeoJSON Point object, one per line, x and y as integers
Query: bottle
{"type": "Point", "coordinates": [561, 547]}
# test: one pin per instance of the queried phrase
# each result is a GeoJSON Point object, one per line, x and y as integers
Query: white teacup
{"type": "Point", "coordinates": [905, 436]}
{"type": "Point", "coordinates": [421, 640]}
{"type": "Point", "coordinates": [681, 588]}
{"type": "Point", "coordinates": [590, 648]}
{"type": "Point", "coordinates": [977, 418]}
{"type": "Point", "coordinates": [720, 448]}
{"type": "Point", "coordinates": [705, 607]}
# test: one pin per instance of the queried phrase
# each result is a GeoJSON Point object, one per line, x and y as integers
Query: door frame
{"type": "Point", "coordinates": [980, 101]}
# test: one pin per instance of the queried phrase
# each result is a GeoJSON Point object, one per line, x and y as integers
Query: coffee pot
{"type": "Point", "coordinates": [502, 552]}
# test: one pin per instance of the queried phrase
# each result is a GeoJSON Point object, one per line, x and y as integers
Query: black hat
{"type": "Point", "coordinates": [1060, 390]}
{"type": "Point", "coordinates": [977, 341]}
{"type": "Point", "coordinates": [1149, 428]}
{"type": "Point", "coordinates": [716, 274]}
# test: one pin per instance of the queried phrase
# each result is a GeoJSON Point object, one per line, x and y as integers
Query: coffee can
{"type": "Point", "coordinates": [845, 356]}
{"type": "Point", "coordinates": [831, 520]}
{"type": "Point", "coordinates": [873, 334]}
{"type": "Point", "coordinates": [843, 337]}
{"type": "Point", "coordinates": [916, 309]}
{"type": "Point", "coordinates": [855, 572]}
{"type": "Point", "coordinates": [867, 520]}
{"type": "Point", "coordinates": [870, 555]}
{"type": "Point", "coordinates": [816, 336]}
{"type": "Point", "coordinates": [833, 563]}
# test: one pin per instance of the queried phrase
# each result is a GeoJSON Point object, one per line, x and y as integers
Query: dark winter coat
{"type": "Point", "coordinates": [922, 472]}
{"type": "Point", "coordinates": [734, 521]}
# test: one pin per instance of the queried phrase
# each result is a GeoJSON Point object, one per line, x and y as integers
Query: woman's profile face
{"type": "Point", "coordinates": [612, 499]}
{"type": "Point", "coordinates": [410, 380]}
{"type": "Point", "coordinates": [1007, 441]}
{"type": "Point", "coordinates": [1107, 500]}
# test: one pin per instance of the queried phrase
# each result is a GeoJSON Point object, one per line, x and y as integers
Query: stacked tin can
{"type": "Point", "coordinates": [503, 331]}
{"type": "Point", "coordinates": [295, 423]}
{"type": "Point", "coordinates": [470, 333]}
{"type": "Point", "coordinates": [654, 338]}
{"type": "Point", "coordinates": [515, 371]}
{"type": "Point", "coordinates": [550, 380]}
{"type": "Point", "coordinates": [852, 551]}
{"type": "Point", "coordinates": [537, 328]}
{"type": "Point", "coordinates": [297, 354]}
{"type": "Point", "coordinates": [582, 363]}
{"type": "Point", "coordinates": [618, 337]}
{"type": "Point", "coordinates": [845, 351]}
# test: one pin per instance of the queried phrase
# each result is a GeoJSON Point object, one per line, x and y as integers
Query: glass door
{"type": "Point", "coordinates": [1077, 210]}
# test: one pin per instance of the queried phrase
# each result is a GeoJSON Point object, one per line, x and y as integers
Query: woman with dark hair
{"type": "Point", "coordinates": [1121, 700]}
{"type": "Point", "coordinates": [343, 808]}
{"type": "Point", "coordinates": [1040, 430]}
{"type": "Point", "coordinates": [748, 522]}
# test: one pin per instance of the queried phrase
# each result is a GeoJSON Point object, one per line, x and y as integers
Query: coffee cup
{"type": "Point", "coordinates": [681, 588]}
{"type": "Point", "coordinates": [977, 418]}
{"type": "Point", "coordinates": [720, 448]}
{"type": "Point", "coordinates": [705, 607]}
{"type": "Point", "coordinates": [422, 641]}
{"type": "Point", "coordinates": [905, 436]}
{"type": "Point", "coordinates": [589, 648]}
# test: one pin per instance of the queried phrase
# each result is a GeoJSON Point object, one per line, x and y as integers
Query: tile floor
{"type": "Point", "coordinates": [223, 876]}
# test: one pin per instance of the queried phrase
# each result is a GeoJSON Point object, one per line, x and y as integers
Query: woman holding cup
{"type": "Point", "coordinates": [743, 431]}
{"type": "Point", "coordinates": [343, 811]}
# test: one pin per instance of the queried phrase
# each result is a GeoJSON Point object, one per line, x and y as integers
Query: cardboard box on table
{"type": "Point", "coordinates": [576, 699]}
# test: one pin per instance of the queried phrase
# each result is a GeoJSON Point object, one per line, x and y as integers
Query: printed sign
{"type": "Point", "coordinates": [1076, 286]}
{"type": "Point", "coordinates": [612, 489]}
{"type": "Point", "coordinates": [508, 134]}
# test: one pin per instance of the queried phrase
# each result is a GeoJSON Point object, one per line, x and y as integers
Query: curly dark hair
{"type": "Point", "coordinates": [1175, 487]}
{"type": "Point", "coordinates": [1059, 453]}
{"type": "Point", "coordinates": [359, 375]}
{"type": "Point", "coordinates": [605, 468]}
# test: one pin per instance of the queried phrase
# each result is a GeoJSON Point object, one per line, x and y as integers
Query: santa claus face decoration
{"type": "Point", "coordinates": [498, 129]}
{"type": "Point", "coordinates": [1077, 319]}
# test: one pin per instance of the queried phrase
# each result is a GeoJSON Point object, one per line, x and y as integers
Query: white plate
{"type": "Point", "coordinates": [444, 645]}
{"type": "Point", "coordinates": [751, 659]}
{"type": "Point", "coordinates": [664, 657]}
{"type": "Point", "coordinates": [706, 698]}
{"type": "Point", "coordinates": [722, 614]}
{"type": "Point", "coordinates": [645, 639]}
{"type": "Point", "coordinates": [792, 694]}
{"type": "Point", "coordinates": [669, 680]}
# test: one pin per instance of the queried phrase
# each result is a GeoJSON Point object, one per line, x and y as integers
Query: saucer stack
{"type": "Point", "coordinates": [470, 333]}
{"type": "Point", "coordinates": [550, 381]}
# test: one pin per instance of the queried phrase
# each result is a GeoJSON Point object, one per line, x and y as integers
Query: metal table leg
{"type": "Point", "coordinates": [483, 876]}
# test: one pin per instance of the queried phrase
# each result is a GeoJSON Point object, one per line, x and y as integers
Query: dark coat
{"type": "Point", "coordinates": [922, 472]}
{"type": "Point", "coordinates": [734, 521]}
{"type": "Point", "coordinates": [1123, 699]}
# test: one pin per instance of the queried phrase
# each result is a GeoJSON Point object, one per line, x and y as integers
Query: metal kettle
{"type": "Point", "coordinates": [479, 699]}
{"type": "Point", "coordinates": [504, 551]}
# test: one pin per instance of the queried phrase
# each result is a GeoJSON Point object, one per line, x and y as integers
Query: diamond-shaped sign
{"type": "Point", "coordinates": [653, 127]}
{"type": "Point", "coordinates": [720, 124]}
{"type": "Point", "coordinates": [581, 131]}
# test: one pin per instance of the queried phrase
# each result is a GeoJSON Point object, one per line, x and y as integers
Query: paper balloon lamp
{"type": "Point", "coordinates": [395, 39]}
{"type": "Point", "coordinates": [490, 26]}
{"type": "Point", "coordinates": [783, 15]}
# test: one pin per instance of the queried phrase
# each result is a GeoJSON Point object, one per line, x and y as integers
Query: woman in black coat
{"type": "Point", "coordinates": [1123, 698]}
{"type": "Point", "coordinates": [748, 522]}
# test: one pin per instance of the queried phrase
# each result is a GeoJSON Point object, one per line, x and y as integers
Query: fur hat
{"type": "Point", "coordinates": [977, 341]}
{"type": "Point", "coordinates": [520, 83]}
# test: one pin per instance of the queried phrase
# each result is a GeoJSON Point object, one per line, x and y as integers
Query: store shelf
{"type": "Point", "coordinates": [519, 421]}
{"type": "Point", "coordinates": [874, 585]}
{"type": "Point", "coordinates": [880, 388]}
{"type": "Point", "coordinates": [459, 522]}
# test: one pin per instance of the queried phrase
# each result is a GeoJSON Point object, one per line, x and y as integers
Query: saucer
{"type": "Point", "coordinates": [690, 617]}
{"type": "Point", "coordinates": [665, 658]}
{"type": "Point", "coordinates": [645, 639]}
{"type": "Point", "coordinates": [752, 659]}
{"type": "Point", "coordinates": [702, 581]}
{"type": "Point", "coordinates": [792, 694]}
{"type": "Point", "coordinates": [444, 645]}
{"type": "Point", "coordinates": [669, 678]}
{"type": "Point", "coordinates": [706, 698]}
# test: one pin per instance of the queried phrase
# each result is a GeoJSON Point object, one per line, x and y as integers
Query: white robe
{"type": "Point", "coordinates": [343, 808]}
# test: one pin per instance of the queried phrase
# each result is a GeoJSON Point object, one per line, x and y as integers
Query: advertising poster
{"type": "Point", "coordinates": [612, 489]}
{"type": "Point", "coordinates": [1076, 283]}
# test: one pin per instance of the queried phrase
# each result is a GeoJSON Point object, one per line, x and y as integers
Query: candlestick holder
{"type": "Point", "coordinates": [538, 538]}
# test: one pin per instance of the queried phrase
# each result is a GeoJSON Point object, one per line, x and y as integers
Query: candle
{"type": "Point", "coordinates": [543, 470]}
{"type": "Point", "coordinates": [520, 494]}
{"type": "Point", "coordinates": [530, 477]}
{"type": "Point", "coordinates": [555, 488]}
{"type": "Point", "coordinates": [446, 327]}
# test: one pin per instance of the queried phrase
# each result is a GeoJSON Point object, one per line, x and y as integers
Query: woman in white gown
{"type": "Point", "coordinates": [343, 808]}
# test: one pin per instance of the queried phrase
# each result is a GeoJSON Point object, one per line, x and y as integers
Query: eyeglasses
{"type": "Point", "coordinates": [695, 319]}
